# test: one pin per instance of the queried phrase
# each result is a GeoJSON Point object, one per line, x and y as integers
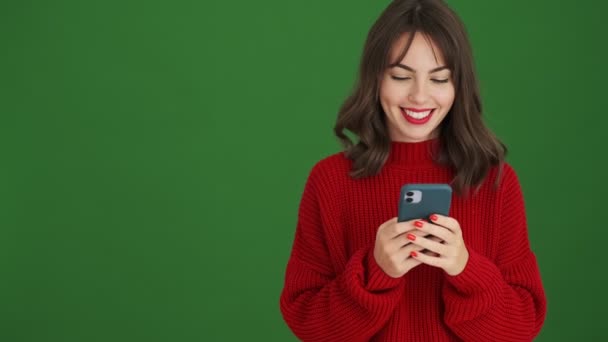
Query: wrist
{"type": "Point", "coordinates": [376, 278]}
{"type": "Point", "coordinates": [461, 264]}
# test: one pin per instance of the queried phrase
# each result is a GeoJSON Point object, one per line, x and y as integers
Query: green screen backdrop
{"type": "Point", "coordinates": [153, 155]}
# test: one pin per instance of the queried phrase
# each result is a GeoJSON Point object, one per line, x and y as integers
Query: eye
{"type": "Point", "coordinates": [396, 78]}
{"type": "Point", "coordinates": [434, 80]}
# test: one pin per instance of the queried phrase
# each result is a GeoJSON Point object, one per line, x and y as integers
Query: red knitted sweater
{"type": "Point", "coordinates": [335, 291]}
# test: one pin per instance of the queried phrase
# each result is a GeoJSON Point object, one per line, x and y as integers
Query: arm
{"type": "Point", "coordinates": [320, 304]}
{"type": "Point", "coordinates": [502, 301]}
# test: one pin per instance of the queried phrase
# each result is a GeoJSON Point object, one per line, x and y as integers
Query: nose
{"type": "Point", "coordinates": [418, 92]}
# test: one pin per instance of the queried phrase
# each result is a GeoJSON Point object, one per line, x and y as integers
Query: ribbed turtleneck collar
{"type": "Point", "coordinates": [413, 153]}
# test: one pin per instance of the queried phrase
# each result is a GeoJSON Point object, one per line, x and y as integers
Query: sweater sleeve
{"type": "Point", "coordinates": [502, 300]}
{"type": "Point", "coordinates": [319, 303]}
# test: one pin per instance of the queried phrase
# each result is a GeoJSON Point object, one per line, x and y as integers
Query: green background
{"type": "Point", "coordinates": [154, 154]}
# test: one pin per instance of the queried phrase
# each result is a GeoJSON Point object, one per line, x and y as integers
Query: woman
{"type": "Point", "coordinates": [355, 273]}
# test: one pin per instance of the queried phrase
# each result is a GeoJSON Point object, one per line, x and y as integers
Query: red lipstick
{"type": "Point", "coordinates": [414, 120]}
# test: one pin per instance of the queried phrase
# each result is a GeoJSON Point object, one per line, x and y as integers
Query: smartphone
{"type": "Point", "coordinates": [419, 201]}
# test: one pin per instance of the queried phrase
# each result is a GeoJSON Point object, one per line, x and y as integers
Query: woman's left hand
{"type": "Point", "coordinates": [451, 254]}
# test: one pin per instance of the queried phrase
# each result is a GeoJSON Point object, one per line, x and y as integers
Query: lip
{"type": "Point", "coordinates": [418, 110]}
{"type": "Point", "coordinates": [415, 121]}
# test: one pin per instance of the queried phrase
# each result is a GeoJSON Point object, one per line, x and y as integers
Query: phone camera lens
{"type": "Point", "coordinates": [409, 193]}
{"type": "Point", "coordinates": [409, 200]}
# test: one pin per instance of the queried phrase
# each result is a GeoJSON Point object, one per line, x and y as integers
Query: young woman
{"type": "Point", "coordinates": [355, 273]}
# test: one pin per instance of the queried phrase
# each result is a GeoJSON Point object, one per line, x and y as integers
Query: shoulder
{"type": "Point", "coordinates": [334, 164]}
{"type": "Point", "coordinates": [508, 178]}
{"type": "Point", "coordinates": [503, 181]}
{"type": "Point", "coordinates": [330, 170]}
{"type": "Point", "coordinates": [503, 175]}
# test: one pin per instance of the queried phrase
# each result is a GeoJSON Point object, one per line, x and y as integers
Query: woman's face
{"type": "Point", "coordinates": [417, 93]}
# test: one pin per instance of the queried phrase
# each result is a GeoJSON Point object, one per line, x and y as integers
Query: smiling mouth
{"type": "Point", "coordinates": [417, 117]}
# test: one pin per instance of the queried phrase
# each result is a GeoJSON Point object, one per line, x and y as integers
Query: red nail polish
{"type": "Point", "coordinates": [411, 237]}
{"type": "Point", "coordinates": [414, 254]}
{"type": "Point", "coordinates": [434, 217]}
{"type": "Point", "coordinates": [418, 224]}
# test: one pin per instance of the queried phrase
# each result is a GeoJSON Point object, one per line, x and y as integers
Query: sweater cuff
{"type": "Point", "coordinates": [479, 275]}
{"type": "Point", "coordinates": [376, 279]}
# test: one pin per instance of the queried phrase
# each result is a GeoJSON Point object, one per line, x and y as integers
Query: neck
{"type": "Point", "coordinates": [413, 153]}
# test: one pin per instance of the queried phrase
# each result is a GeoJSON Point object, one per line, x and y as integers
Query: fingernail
{"type": "Point", "coordinates": [418, 224]}
{"type": "Point", "coordinates": [434, 217]}
{"type": "Point", "coordinates": [414, 254]}
{"type": "Point", "coordinates": [411, 237]}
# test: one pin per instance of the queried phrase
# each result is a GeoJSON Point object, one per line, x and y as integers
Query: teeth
{"type": "Point", "coordinates": [420, 115]}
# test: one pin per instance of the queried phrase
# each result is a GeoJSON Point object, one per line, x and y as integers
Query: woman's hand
{"type": "Point", "coordinates": [392, 249]}
{"type": "Point", "coordinates": [451, 253]}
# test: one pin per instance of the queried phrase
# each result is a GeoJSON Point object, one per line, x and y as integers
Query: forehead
{"type": "Point", "coordinates": [421, 51]}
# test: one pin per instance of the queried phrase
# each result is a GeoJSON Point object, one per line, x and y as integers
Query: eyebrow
{"type": "Point", "coordinates": [403, 66]}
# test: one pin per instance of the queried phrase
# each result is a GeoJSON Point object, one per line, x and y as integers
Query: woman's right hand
{"type": "Point", "coordinates": [392, 248]}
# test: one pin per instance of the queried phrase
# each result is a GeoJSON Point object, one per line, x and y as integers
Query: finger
{"type": "Point", "coordinates": [394, 245]}
{"type": "Point", "coordinates": [402, 240]}
{"type": "Point", "coordinates": [388, 223]}
{"type": "Point", "coordinates": [403, 237]}
{"type": "Point", "coordinates": [402, 260]}
{"type": "Point", "coordinates": [410, 263]}
{"type": "Point", "coordinates": [405, 251]}
{"type": "Point", "coordinates": [386, 229]}
{"type": "Point", "coordinates": [428, 259]}
{"type": "Point", "coordinates": [434, 238]}
{"type": "Point", "coordinates": [399, 228]}
{"type": "Point", "coordinates": [429, 244]}
{"type": "Point", "coordinates": [439, 231]}
{"type": "Point", "coordinates": [446, 221]}
{"type": "Point", "coordinates": [419, 233]}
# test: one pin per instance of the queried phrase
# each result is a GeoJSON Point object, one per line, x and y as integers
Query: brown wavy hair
{"type": "Point", "coordinates": [468, 147]}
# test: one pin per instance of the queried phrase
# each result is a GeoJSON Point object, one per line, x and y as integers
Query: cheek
{"type": "Point", "coordinates": [391, 95]}
{"type": "Point", "coordinates": [445, 98]}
